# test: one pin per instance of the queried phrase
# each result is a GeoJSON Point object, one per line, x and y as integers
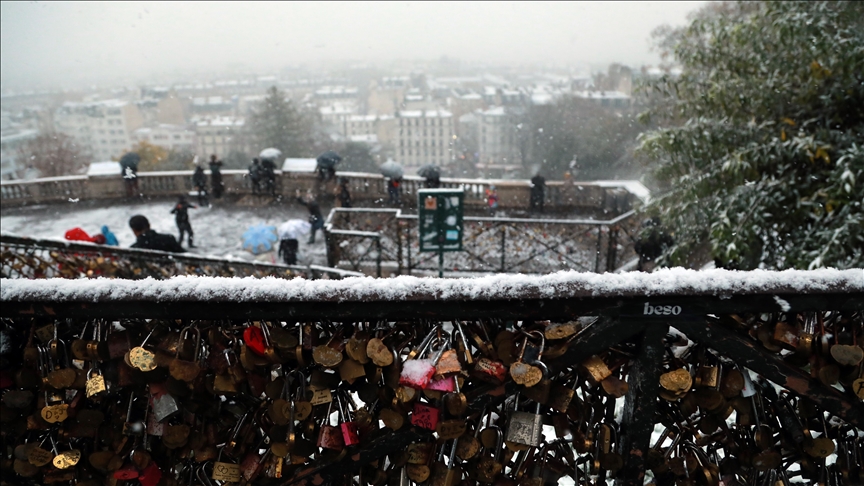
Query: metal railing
{"type": "Point", "coordinates": [712, 316]}
{"type": "Point", "coordinates": [359, 237]}
{"type": "Point", "coordinates": [30, 258]}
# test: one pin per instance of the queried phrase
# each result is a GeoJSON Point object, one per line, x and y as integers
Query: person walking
{"type": "Point", "coordinates": [538, 190]}
{"type": "Point", "coordinates": [199, 182]}
{"type": "Point", "coordinates": [288, 250]}
{"type": "Point", "coordinates": [315, 218]}
{"type": "Point", "coordinates": [216, 177]}
{"type": "Point", "coordinates": [342, 194]}
{"type": "Point", "coordinates": [255, 175]}
{"type": "Point", "coordinates": [492, 199]}
{"type": "Point", "coordinates": [148, 239]}
{"type": "Point", "coordinates": [181, 217]}
{"type": "Point", "coordinates": [129, 166]}
{"type": "Point", "coordinates": [268, 169]}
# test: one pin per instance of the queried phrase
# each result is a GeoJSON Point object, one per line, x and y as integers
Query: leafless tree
{"type": "Point", "coordinates": [54, 154]}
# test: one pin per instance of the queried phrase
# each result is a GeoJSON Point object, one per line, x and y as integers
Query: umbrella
{"type": "Point", "coordinates": [270, 153]}
{"type": "Point", "coordinates": [328, 159]}
{"type": "Point", "coordinates": [392, 170]}
{"type": "Point", "coordinates": [259, 239]}
{"type": "Point", "coordinates": [293, 228]}
{"type": "Point", "coordinates": [130, 160]}
{"type": "Point", "coordinates": [429, 171]}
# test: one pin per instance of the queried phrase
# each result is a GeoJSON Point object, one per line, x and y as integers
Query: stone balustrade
{"type": "Point", "coordinates": [365, 188]}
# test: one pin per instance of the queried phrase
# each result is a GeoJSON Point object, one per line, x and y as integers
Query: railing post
{"type": "Point", "coordinates": [408, 246]}
{"type": "Point", "coordinates": [399, 246]}
{"type": "Point", "coordinates": [378, 257]}
{"type": "Point", "coordinates": [599, 249]}
{"type": "Point", "coordinates": [503, 245]}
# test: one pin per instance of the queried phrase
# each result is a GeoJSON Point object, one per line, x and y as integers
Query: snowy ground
{"type": "Point", "coordinates": [218, 229]}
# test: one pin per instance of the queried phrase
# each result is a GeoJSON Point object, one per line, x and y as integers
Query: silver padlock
{"type": "Point", "coordinates": [525, 428]}
{"type": "Point", "coordinates": [164, 406]}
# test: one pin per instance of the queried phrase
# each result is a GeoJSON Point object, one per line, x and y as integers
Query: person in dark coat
{"type": "Point", "coordinates": [151, 240]}
{"type": "Point", "coordinates": [216, 177]}
{"type": "Point", "coordinates": [538, 189]}
{"type": "Point", "coordinates": [433, 181]}
{"type": "Point", "coordinates": [199, 182]}
{"type": "Point", "coordinates": [394, 190]}
{"type": "Point", "coordinates": [268, 169]}
{"type": "Point", "coordinates": [181, 217]}
{"type": "Point", "coordinates": [288, 250]}
{"type": "Point", "coordinates": [129, 166]}
{"type": "Point", "coordinates": [315, 218]}
{"type": "Point", "coordinates": [342, 193]}
{"type": "Point", "coordinates": [255, 175]}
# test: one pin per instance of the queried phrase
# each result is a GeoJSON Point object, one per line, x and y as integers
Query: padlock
{"type": "Point", "coordinates": [449, 474]}
{"type": "Point", "coordinates": [164, 405]}
{"type": "Point", "coordinates": [350, 434]}
{"type": "Point", "coordinates": [540, 391]}
{"type": "Point", "coordinates": [523, 427]}
{"type": "Point", "coordinates": [425, 416]}
{"type": "Point", "coordinates": [329, 354]}
{"type": "Point", "coordinates": [418, 373]}
{"type": "Point", "coordinates": [528, 374]}
{"type": "Point", "coordinates": [187, 370]}
{"type": "Point", "coordinates": [96, 386]}
{"type": "Point", "coordinates": [329, 436]}
{"type": "Point", "coordinates": [225, 471]}
{"type": "Point", "coordinates": [141, 358]}
{"type": "Point", "coordinates": [455, 400]}
{"type": "Point", "coordinates": [490, 466]}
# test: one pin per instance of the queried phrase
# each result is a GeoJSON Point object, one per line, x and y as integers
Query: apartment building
{"type": "Point", "coordinates": [425, 137]}
{"type": "Point", "coordinates": [167, 136]}
{"type": "Point", "coordinates": [103, 127]}
{"type": "Point", "coordinates": [11, 141]}
{"type": "Point", "coordinates": [220, 135]}
{"type": "Point", "coordinates": [496, 137]}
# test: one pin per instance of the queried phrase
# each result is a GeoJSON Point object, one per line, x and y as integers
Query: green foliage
{"type": "Point", "coordinates": [762, 157]}
{"type": "Point", "coordinates": [596, 137]}
{"type": "Point", "coordinates": [278, 123]}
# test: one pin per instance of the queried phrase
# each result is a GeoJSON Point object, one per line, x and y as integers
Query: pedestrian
{"type": "Point", "coordinates": [394, 190]}
{"type": "Point", "coordinates": [181, 217]}
{"type": "Point", "coordinates": [433, 181]}
{"type": "Point", "coordinates": [148, 239]}
{"type": "Point", "coordinates": [492, 199]}
{"type": "Point", "coordinates": [288, 250]}
{"type": "Point", "coordinates": [342, 193]}
{"type": "Point", "coordinates": [652, 242]}
{"type": "Point", "coordinates": [255, 175]}
{"type": "Point", "coordinates": [268, 169]}
{"type": "Point", "coordinates": [129, 165]}
{"type": "Point", "coordinates": [110, 238]}
{"type": "Point", "coordinates": [216, 177]}
{"type": "Point", "coordinates": [315, 218]}
{"type": "Point", "coordinates": [199, 182]}
{"type": "Point", "coordinates": [538, 189]}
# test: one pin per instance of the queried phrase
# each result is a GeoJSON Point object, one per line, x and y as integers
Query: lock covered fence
{"type": "Point", "coordinates": [22, 257]}
{"type": "Point", "coordinates": [674, 377]}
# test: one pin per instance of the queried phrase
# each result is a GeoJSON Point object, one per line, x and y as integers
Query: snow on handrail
{"type": "Point", "coordinates": [560, 285]}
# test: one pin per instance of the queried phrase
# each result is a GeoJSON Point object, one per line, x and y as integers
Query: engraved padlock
{"type": "Point", "coordinates": [524, 427]}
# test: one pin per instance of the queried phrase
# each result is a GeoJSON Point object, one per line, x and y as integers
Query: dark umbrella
{"type": "Point", "coordinates": [328, 159]}
{"type": "Point", "coordinates": [429, 171]}
{"type": "Point", "coordinates": [392, 170]}
{"type": "Point", "coordinates": [130, 160]}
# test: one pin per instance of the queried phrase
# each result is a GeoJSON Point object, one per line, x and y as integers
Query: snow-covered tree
{"type": "Point", "coordinates": [761, 154]}
{"type": "Point", "coordinates": [277, 122]}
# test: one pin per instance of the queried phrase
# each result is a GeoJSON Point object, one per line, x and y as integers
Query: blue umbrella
{"type": "Point", "coordinates": [259, 239]}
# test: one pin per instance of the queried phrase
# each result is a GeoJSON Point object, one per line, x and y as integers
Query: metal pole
{"type": "Point", "coordinates": [378, 258]}
{"type": "Point", "coordinates": [408, 246]}
{"type": "Point", "coordinates": [503, 245]}
{"type": "Point", "coordinates": [440, 263]}
{"type": "Point", "coordinates": [599, 248]}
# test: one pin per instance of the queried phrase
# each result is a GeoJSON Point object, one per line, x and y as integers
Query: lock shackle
{"type": "Point", "coordinates": [182, 339]}
{"type": "Point", "coordinates": [459, 330]}
{"type": "Point", "coordinates": [445, 345]}
{"type": "Point", "coordinates": [499, 441]}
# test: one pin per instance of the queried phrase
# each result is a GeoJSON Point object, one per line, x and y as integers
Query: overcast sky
{"type": "Point", "coordinates": [45, 43]}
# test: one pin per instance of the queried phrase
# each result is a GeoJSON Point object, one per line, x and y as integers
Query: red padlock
{"type": "Point", "coordinates": [446, 385]}
{"type": "Point", "coordinates": [151, 475]}
{"type": "Point", "coordinates": [126, 473]}
{"type": "Point", "coordinates": [418, 373]}
{"type": "Point", "coordinates": [489, 371]}
{"type": "Point", "coordinates": [330, 437]}
{"type": "Point", "coordinates": [254, 338]}
{"type": "Point", "coordinates": [350, 435]}
{"type": "Point", "coordinates": [425, 416]}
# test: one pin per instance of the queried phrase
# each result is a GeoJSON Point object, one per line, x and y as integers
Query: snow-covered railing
{"type": "Point", "coordinates": [733, 321]}
{"type": "Point", "coordinates": [360, 237]}
{"type": "Point", "coordinates": [30, 258]}
{"type": "Point", "coordinates": [601, 196]}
